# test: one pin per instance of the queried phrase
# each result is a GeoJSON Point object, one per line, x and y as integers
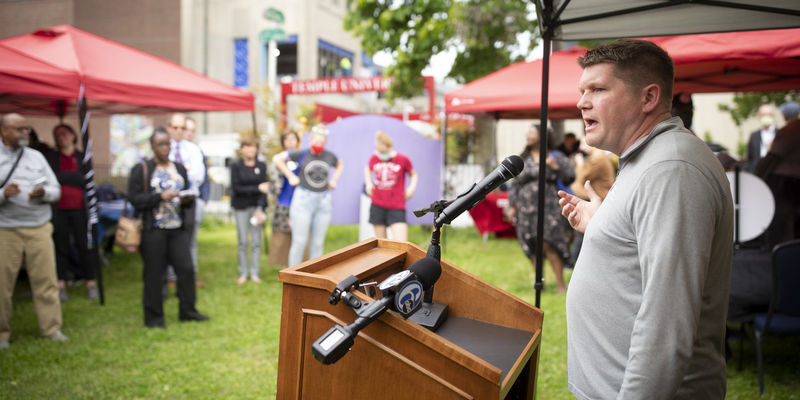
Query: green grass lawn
{"type": "Point", "coordinates": [111, 355]}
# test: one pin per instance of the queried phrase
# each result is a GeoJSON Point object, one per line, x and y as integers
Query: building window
{"type": "Point", "coordinates": [287, 58]}
{"type": "Point", "coordinates": [333, 61]}
{"type": "Point", "coordinates": [240, 67]}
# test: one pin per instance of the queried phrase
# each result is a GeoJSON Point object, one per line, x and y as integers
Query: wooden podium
{"type": "Point", "coordinates": [488, 348]}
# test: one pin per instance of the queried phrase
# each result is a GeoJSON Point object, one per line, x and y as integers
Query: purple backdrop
{"type": "Point", "coordinates": [352, 139]}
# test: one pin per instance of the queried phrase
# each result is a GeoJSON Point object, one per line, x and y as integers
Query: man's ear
{"type": "Point", "coordinates": [651, 97]}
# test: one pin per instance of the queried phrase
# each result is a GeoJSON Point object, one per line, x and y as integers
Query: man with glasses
{"type": "Point", "coordinates": [27, 186]}
{"type": "Point", "coordinates": [187, 153]}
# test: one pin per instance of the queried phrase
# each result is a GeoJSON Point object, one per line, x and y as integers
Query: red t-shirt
{"type": "Point", "coordinates": [389, 178]}
{"type": "Point", "coordinates": [71, 196]}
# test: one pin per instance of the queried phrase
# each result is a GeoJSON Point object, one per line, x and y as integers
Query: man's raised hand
{"type": "Point", "coordinates": [578, 211]}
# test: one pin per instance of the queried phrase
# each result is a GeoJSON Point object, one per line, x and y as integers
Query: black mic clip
{"type": "Point", "coordinates": [436, 208]}
{"type": "Point", "coordinates": [342, 292]}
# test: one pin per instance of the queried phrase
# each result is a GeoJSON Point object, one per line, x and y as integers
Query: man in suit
{"type": "Point", "coordinates": [761, 139]}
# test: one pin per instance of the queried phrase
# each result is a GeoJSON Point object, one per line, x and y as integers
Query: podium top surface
{"type": "Point", "coordinates": [363, 260]}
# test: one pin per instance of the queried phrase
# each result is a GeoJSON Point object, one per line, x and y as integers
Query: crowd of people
{"type": "Point", "coordinates": [44, 222]}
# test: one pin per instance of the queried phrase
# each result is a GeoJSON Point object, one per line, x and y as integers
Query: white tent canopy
{"type": "Point", "coordinates": [602, 19]}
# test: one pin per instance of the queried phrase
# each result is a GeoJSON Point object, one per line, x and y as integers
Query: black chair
{"type": "Point", "coordinates": [783, 316]}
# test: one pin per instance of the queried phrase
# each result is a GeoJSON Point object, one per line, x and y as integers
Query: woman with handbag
{"type": "Point", "coordinates": [167, 210]}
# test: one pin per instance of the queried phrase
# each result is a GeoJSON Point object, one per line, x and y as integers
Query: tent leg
{"type": "Point", "coordinates": [87, 169]}
{"type": "Point", "coordinates": [542, 156]}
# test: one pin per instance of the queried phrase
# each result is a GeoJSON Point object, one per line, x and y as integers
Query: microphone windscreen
{"type": "Point", "coordinates": [428, 270]}
{"type": "Point", "coordinates": [514, 163]}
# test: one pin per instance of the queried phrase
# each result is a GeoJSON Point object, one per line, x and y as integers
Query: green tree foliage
{"type": "Point", "coordinates": [745, 105]}
{"type": "Point", "coordinates": [483, 32]}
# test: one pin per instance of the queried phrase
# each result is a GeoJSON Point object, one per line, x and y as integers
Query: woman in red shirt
{"type": "Point", "coordinates": [385, 178]}
{"type": "Point", "coordinates": [69, 214]}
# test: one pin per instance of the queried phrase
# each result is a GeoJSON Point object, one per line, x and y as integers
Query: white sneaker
{"type": "Point", "coordinates": [4, 344]}
{"type": "Point", "coordinates": [58, 337]}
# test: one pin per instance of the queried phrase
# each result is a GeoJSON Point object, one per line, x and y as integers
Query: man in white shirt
{"type": "Point", "coordinates": [189, 155]}
{"type": "Point", "coordinates": [760, 140]}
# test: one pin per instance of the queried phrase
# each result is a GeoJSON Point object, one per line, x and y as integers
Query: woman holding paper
{"type": "Point", "coordinates": [156, 189]}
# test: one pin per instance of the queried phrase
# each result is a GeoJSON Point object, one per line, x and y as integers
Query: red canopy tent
{"type": "Point", "coordinates": [755, 61]}
{"type": "Point", "coordinates": [26, 76]}
{"type": "Point", "coordinates": [514, 91]}
{"type": "Point", "coordinates": [115, 78]}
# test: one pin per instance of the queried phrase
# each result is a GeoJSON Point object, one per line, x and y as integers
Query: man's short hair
{"type": "Point", "coordinates": [173, 115]}
{"type": "Point", "coordinates": [790, 110]}
{"type": "Point", "coordinates": [637, 62]}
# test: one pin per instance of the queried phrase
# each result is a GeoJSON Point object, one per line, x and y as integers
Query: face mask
{"type": "Point", "coordinates": [767, 121]}
{"type": "Point", "coordinates": [317, 149]}
{"type": "Point", "coordinates": [385, 156]}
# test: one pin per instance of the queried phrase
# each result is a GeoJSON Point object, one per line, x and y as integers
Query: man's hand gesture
{"type": "Point", "coordinates": [578, 211]}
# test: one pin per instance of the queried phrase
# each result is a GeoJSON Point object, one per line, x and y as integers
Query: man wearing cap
{"type": "Point", "coordinates": [780, 169]}
{"type": "Point", "coordinates": [27, 187]}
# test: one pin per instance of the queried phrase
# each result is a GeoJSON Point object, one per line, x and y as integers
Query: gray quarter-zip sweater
{"type": "Point", "coordinates": [647, 302]}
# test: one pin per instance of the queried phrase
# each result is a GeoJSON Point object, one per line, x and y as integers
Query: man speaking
{"type": "Point", "coordinates": [647, 302]}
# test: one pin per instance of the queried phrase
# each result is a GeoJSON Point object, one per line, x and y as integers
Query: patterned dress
{"type": "Point", "coordinates": [523, 195]}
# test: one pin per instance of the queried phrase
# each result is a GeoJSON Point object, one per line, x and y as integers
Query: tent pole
{"type": "Point", "coordinates": [443, 174]}
{"type": "Point", "coordinates": [494, 139]}
{"type": "Point", "coordinates": [87, 169]}
{"type": "Point", "coordinates": [255, 131]}
{"type": "Point", "coordinates": [547, 38]}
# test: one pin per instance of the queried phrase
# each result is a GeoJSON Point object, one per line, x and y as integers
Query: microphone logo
{"type": "Point", "coordinates": [409, 297]}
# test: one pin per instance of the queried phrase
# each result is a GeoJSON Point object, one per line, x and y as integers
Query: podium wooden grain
{"type": "Point", "coordinates": [394, 358]}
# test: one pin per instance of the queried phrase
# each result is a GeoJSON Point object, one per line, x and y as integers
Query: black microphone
{"type": "Point", "coordinates": [402, 292]}
{"type": "Point", "coordinates": [509, 168]}
{"type": "Point", "coordinates": [428, 271]}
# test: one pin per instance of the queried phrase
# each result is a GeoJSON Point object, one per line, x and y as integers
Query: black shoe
{"type": "Point", "coordinates": [156, 326]}
{"type": "Point", "coordinates": [193, 316]}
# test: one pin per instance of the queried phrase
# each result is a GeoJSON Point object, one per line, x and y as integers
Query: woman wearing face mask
{"type": "Point", "coordinates": [385, 178]}
{"type": "Point", "coordinates": [310, 209]}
